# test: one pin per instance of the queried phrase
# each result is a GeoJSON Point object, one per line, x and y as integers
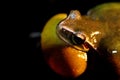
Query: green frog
{"type": "Point", "coordinates": [98, 30]}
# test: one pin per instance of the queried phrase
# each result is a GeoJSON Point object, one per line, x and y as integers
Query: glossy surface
{"type": "Point", "coordinates": [101, 30]}
{"type": "Point", "coordinates": [72, 65]}
{"type": "Point", "coordinates": [89, 30]}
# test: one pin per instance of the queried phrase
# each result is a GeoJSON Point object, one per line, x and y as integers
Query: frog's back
{"type": "Point", "coordinates": [108, 13]}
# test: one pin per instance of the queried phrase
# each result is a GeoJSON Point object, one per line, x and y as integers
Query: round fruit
{"type": "Point", "coordinates": [67, 61]}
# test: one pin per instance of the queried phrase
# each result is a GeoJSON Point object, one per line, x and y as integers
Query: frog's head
{"type": "Point", "coordinates": [66, 31]}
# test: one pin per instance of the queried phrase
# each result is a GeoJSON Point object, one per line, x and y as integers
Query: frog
{"type": "Point", "coordinates": [98, 30]}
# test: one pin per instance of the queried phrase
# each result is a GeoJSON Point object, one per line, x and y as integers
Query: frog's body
{"type": "Point", "coordinates": [101, 27]}
{"type": "Point", "coordinates": [100, 31]}
{"type": "Point", "coordinates": [83, 24]}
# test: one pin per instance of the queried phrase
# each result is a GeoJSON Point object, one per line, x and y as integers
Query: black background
{"type": "Point", "coordinates": [32, 17]}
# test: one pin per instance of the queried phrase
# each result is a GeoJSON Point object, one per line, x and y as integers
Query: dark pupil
{"type": "Point", "coordinates": [77, 40]}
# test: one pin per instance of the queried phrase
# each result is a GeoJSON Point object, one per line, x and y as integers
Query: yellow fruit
{"type": "Point", "coordinates": [67, 61]}
{"type": "Point", "coordinates": [62, 59]}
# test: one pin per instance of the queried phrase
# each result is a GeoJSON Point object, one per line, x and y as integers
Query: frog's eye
{"type": "Point", "coordinates": [78, 38]}
{"type": "Point", "coordinates": [71, 37]}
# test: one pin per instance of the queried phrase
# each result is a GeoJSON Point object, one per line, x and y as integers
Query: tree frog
{"type": "Point", "coordinates": [99, 29]}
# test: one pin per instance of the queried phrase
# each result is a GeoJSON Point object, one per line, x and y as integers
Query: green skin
{"type": "Point", "coordinates": [100, 27]}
